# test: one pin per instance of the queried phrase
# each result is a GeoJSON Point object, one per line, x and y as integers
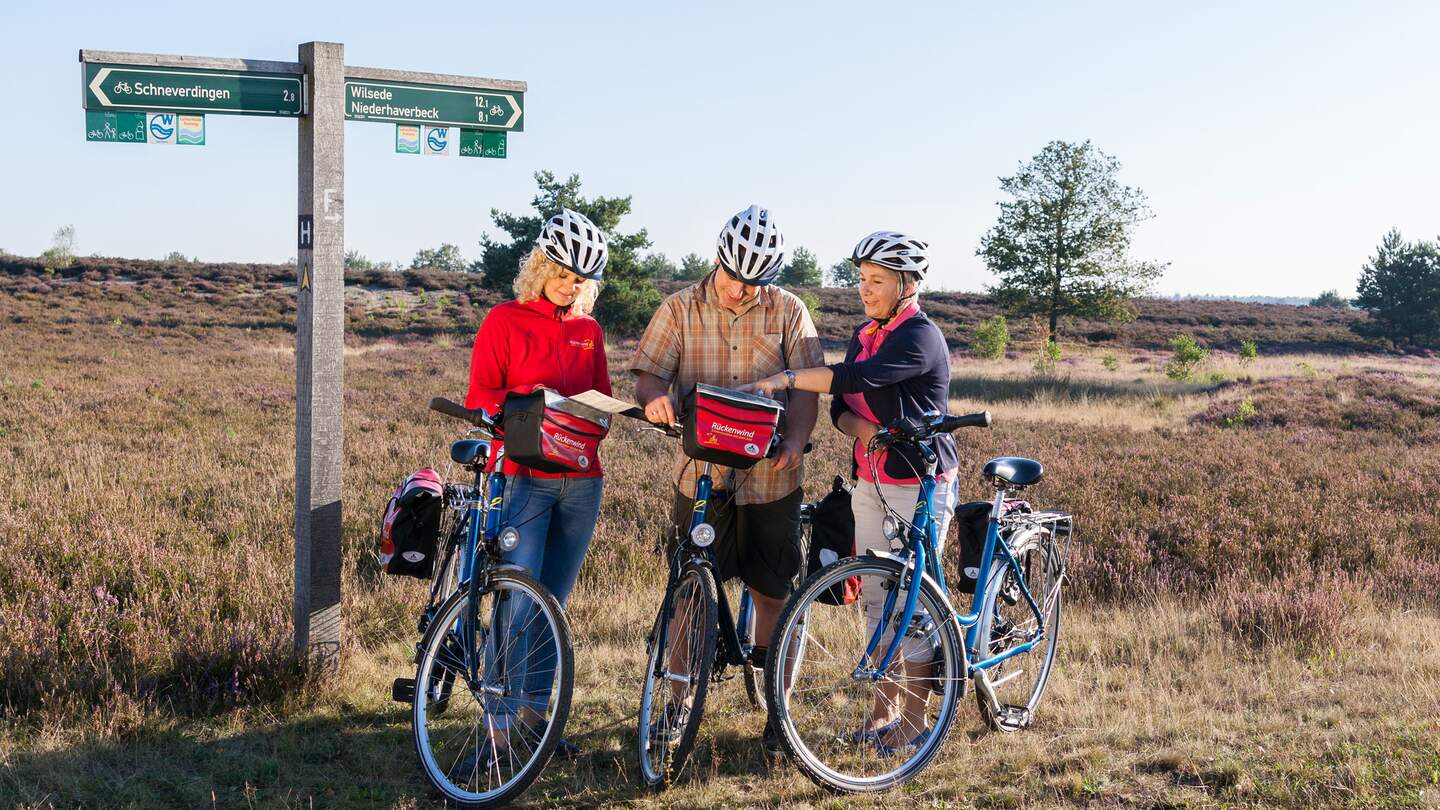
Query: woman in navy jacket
{"type": "Point", "coordinates": [897, 365]}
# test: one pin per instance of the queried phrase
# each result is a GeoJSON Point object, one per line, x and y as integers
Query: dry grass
{"type": "Point", "coordinates": [1253, 619]}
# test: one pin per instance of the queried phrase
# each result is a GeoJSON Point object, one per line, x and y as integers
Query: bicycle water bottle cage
{"type": "Point", "coordinates": [1012, 472]}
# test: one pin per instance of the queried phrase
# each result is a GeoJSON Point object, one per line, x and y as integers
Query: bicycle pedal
{"type": "Point", "coordinates": [1013, 716]}
{"type": "Point", "coordinates": [403, 690]}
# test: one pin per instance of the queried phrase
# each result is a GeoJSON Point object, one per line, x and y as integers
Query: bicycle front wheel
{"type": "Point", "coordinates": [509, 674]}
{"type": "Point", "coordinates": [847, 729]}
{"type": "Point", "coordinates": [677, 676]}
{"type": "Point", "coordinates": [1006, 622]}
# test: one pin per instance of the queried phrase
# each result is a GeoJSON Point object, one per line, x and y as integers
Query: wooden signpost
{"type": "Point", "coordinates": [321, 93]}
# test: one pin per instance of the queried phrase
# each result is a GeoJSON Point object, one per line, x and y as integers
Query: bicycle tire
{"type": "Point", "coordinates": [662, 760]}
{"type": "Point", "coordinates": [441, 636]}
{"type": "Point", "coordinates": [814, 618]}
{"type": "Point", "coordinates": [1035, 550]}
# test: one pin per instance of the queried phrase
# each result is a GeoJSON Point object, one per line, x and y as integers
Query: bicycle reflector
{"type": "Point", "coordinates": [702, 535]}
{"type": "Point", "coordinates": [890, 527]}
{"type": "Point", "coordinates": [509, 538]}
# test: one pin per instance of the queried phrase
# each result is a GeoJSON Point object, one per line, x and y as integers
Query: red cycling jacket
{"type": "Point", "coordinates": [521, 346]}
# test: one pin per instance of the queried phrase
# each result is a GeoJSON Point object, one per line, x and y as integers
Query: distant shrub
{"type": "Point", "coordinates": [1047, 358]}
{"type": "Point", "coordinates": [61, 253]}
{"type": "Point", "coordinates": [812, 303]}
{"type": "Point", "coordinates": [991, 338]}
{"type": "Point", "coordinates": [1186, 355]}
{"type": "Point", "coordinates": [1248, 352]}
{"type": "Point", "coordinates": [1330, 298]}
{"type": "Point", "coordinates": [1310, 610]}
{"type": "Point", "coordinates": [1216, 377]}
{"type": "Point", "coordinates": [1110, 362]}
{"type": "Point", "coordinates": [1306, 369]}
{"type": "Point", "coordinates": [176, 257]}
{"type": "Point", "coordinates": [1244, 412]}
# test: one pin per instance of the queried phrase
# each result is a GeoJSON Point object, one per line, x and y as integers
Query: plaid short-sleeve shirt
{"type": "Point", "coordinates": [693, 339]}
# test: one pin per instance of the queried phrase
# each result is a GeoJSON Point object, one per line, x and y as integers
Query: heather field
{"type": "Point", "coordinates": [1253, 618]}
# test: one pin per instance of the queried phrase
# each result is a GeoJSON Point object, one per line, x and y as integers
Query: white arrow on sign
{"type": "Point", "coordinates": [95, 86]}
{"type": "Point", "coordinates": [516, 116]}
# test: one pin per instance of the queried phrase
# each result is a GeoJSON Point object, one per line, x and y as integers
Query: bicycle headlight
{"type": "Point", "coordinates": [509, 538]}
{"type": "Point", "coordinates": [890, 527]}
{"type": "Point", "coordinates": [702, 535]}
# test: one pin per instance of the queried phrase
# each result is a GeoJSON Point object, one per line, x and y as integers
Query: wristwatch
{"type": "Point", "coordinates": [789, 378]}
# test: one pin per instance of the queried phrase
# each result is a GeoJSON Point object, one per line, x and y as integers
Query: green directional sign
{"type": "Point", "coordinates": [117, 127]}
{"type": "Point", "coordinates": [477, 143]}
{"type": "Point", "coordinates": [163, 89]}
{"type": "Point", "coordinates": [437, 106]}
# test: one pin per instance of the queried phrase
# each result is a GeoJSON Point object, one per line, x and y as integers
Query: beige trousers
{"type": "Point", "coordinates": [869, 514]}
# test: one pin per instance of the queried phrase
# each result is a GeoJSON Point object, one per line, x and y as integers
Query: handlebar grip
{"type": "Point", "coordinates": [981, 419]}
{"type": "Point", "coordinates": [476, 416]}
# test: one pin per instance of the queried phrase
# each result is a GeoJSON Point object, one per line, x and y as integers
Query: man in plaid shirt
{"type": "Point", "coordinates": [729, 329]}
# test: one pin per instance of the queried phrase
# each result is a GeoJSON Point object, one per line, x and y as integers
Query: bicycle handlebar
{"type": "Point", "coordinates": [475, 416]}
{"type": "Point", "coordinates": [950, 423]}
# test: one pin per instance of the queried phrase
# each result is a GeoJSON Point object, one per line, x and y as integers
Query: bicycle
{"type": "Point", "coordinates": [490, 627]}
{"type": "Point", "coordinates": [829, 711]}
{"type": "Point", "coordinates": [698, 614]}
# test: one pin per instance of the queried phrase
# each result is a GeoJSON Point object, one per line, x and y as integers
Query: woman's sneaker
{"type": "Point", "coordinates": [868, 736]}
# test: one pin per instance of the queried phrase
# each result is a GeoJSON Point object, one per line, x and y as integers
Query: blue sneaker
{"type": "Point", "coordinates": [907, 748]}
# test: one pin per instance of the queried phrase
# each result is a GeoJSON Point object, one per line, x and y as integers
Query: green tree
{"type": "Point", "coordinates": [1400, 288]}
{"type": "Point", "coordinates": [1330, 298]}
{"type": "Point", "coordinates": [629, 296]}
{"type": "Point", "coordinates": [844, 274]}
{"type": "Point", "coordinates": [991, 338]}
{"type": "Point", "coordinates": [445, 257]}
{"type": "Point", "coordinates": [1060, 246]}
{"type": "Point", "coordinates": [693, 267]}
{"type": "Point", "coordinates": [1248, 352]}
{"type": "Point", "coordinates": [355, 260]}
{"type": "Point", "coordinates": [1187, 355]}
{"type": "Point", "coordinates": [659, 267]}
{"type": "Point", "coordinates": [801, 271]}
{"type": "Point", "coordinates": [62, 248]}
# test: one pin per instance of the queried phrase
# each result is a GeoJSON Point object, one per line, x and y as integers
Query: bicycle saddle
{"type": "Point", "coordinates": [1013, 471]}
{"type": "Point", "coordinates": [467, 452]}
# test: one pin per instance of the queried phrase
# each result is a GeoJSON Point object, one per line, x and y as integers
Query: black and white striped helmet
{"type": "Point", "coordinates": [895, 251]}
{"type": "Point", "coordinates": [572, 241]}
{"type": "Point", "coordinates": [751, 247]}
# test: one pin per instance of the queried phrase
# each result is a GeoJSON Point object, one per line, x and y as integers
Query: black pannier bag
{"type": "Point", "coordinates": [972, 520]}
{"type": "Point", "coordinates": [547, 432]}
{"type": "Point", "coordinates": [832, 537]}
{"type": "Point", "coordinates": [729, 427]}
{"type": "Point", "coordinates": [410, 527]}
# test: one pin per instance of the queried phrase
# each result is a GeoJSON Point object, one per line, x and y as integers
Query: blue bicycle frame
{"type": "Point", "coordinates": [920, 545]}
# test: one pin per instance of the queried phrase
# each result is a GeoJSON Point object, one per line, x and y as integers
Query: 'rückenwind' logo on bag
{"type": "Point", "coordinates": [732, 430]}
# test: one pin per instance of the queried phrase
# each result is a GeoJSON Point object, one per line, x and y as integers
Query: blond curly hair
{"type": "Point", "coordinates": [536, 268]}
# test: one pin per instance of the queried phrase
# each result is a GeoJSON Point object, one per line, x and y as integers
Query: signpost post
{"type": "Point", "coordinates": [120, 89]}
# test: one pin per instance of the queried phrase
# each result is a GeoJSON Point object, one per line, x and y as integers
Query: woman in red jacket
{"type": "Point", "coordinates": [546, 338]}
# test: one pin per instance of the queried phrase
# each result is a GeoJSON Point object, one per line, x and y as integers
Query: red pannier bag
{"type": "Point", "coordinates": [547, 432]}
{"type": "Point", "coordinates": [728, 427]}
{"type": "Point", "coordinates": [410, 527]}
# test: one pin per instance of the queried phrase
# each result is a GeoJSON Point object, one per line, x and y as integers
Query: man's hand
{"type": "Point", "coordinates": [661, 410]}
{"type": "Point", "coordinates": [768, 386]}
{"type": "Point", "coordinates": [789, 456]}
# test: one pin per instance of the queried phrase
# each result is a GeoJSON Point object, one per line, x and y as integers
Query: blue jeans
{"type": "Point", "coordinates": [556, 519]}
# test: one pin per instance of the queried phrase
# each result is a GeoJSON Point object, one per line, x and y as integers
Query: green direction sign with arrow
{"type": "Point", "coordinates": [407, 103]}
{"type": "Point", "coordinates": [159, 89]}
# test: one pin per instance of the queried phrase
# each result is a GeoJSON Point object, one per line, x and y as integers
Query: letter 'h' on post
{"type": "Point", "coordinates": [319, 354]}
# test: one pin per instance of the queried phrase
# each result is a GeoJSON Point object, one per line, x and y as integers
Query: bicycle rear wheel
{"type": "Point", "coordinates": [677, 676]}
{"type": "Point", "coordinates": [1006, 621]}
{"type": "Point", "coordinates": [824, 712]}
{"type": "Point", "coordinates": [487, 737]}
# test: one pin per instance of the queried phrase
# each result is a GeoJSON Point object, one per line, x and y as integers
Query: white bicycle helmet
{"type": "Point", "coordinates": [751, 247]}
{"type": "Point", "coordinates": [895, 251]}
{"type": "Point", "coordinates": [572, 241]}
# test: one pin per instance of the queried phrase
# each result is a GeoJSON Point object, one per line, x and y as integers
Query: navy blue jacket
{"type": "Point", "coordinates": [908, 376]}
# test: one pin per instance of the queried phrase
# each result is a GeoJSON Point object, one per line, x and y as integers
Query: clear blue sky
{"type": "Point", "coordinates": [1277, 141]}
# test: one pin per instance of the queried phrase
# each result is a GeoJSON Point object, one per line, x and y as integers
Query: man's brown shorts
{"type": "Point", "coordinates": [759, 542]}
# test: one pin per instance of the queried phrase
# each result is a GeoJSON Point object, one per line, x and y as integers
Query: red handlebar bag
{"type": "Point", "coordinates": [546, 432]}
{"type": "Point", "coordinates": [728, 427]}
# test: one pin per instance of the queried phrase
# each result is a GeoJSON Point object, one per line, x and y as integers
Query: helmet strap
{"type": "Point", "coordinates": [901, 302]}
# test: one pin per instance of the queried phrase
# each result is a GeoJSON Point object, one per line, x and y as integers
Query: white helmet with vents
{"type": "Point", "coordinates": [572, 241]}
{"type": "Point", "coordinates": [751, 247]}
{"type": "Point", "coordinates": [895, 251]}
